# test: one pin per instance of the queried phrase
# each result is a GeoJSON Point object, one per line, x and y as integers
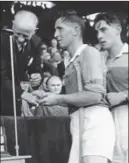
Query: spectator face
{"type": "Point", "coordinates": [53, 51]}
{"type": "Point", "coordinates": [64, 32]}
{"type": "Point", "coordinates": [25, 85]}
{"type": "Point", "coordinates": [65, 54]}
{"type": "Point", "coordinates": [57, 57]}
{"type": "Point", "coordinates": [54, 85]}
{"type": "Point", "coordinates": [46, 56]}
{"type": "Point", "coordinates": [43, 51]}
{"type": "Point", "coordinates": [54, 43]}
{"type": "Point", "coordinates": [107, 34]}
{"type": "Point", "coordinates": [44, 47]}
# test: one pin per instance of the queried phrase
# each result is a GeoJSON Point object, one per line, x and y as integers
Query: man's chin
{"type": "Point", "coordinates": [57, 92]}
{"type": "Point", "coordinates": [105, 47]}
{"type": "Point", "coordinates": [60, 44]}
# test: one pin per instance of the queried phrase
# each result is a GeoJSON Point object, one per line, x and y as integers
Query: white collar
{"type": "Point", "coordinates": [77, 53]}
{"type": "Point", "coordinates": [123, 50]}
{"type": "Point", "coordinates": [20, 46]}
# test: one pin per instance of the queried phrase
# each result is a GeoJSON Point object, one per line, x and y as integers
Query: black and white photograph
{"type": "Point", "coordinates": [64, 81]}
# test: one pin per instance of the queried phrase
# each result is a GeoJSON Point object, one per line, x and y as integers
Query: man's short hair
{"type": "Point", "coordinates": [109, 18]}
{"type": "Point", "coordinates": [72, 17]}
{"type": "Point", "coordinates": [113, 18]}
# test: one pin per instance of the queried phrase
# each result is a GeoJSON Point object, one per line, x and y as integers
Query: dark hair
{"type": "Point", "coordinates": [48, 80]}
{"type": "Point", "coordinates": [72, 16]}
{"type": "Point", "coordinates": [109, 18]}
{"type": "Point", "coordinates": [113, 18]}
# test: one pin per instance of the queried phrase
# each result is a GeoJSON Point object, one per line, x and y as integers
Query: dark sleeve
{"type": "Point", "coordinates": [35, 67]}
{"type": "Point", "coordinates": [5, 69]}
{"type": "Point", "coordinates": [6, 81]}
{"type": "Point", "coordinates": [61, 69]}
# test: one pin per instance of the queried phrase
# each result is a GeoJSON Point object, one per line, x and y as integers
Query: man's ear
{"type": "Point", "coordinates": [119, 28]}
{"type": "Point", "coordinates": [77, 29]}
{"type": "Point", "coordinates": [36, 30]}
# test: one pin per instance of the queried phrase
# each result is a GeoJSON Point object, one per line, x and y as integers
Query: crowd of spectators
{"type": "Point", "coordinates": [52, 61]}
{"type": "Point", "coordinates": [47, 81]}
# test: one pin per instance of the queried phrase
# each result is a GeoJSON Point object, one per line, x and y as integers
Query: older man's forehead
{"type": "Point", "coordinates": [21, 27]}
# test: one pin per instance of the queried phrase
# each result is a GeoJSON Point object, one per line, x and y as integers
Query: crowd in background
{"type": "Point", "coordinates": [52, 80]}
{"type": "Point", "coordinates": [53, 60]}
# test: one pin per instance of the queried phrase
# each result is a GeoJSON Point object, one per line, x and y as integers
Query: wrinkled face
{"type": "Point", "coordinates": [64, 33]}
{"type": "Point", "coordinates": [54, 85]}
{"type": "Point", "coordinates": [106, 34]}
{"type": "Point", "coordinates": [22, 33]}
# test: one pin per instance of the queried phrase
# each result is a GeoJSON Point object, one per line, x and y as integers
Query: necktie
{"type": "Point", "coordinates": [21, 49]}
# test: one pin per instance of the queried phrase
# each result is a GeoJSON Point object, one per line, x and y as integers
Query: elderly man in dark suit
{"type": "Point", "coordinates": [26, 52]}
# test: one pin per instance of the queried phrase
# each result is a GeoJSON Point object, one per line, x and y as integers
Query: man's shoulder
{"type": "Point", "coordinates": [90, 49]}
{"type": "Point", "coordinates": [36, 40]}
{"type": "Point", "coordinates": [90, 52]}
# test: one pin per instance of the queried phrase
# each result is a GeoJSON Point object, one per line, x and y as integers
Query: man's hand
{"type": "Point", "coordinates": [116, 98]}
{"type": "Point", "coordinates": [30, 98]}
{"type": "Point", "coordinates": [35, 79]}
{"type": "Point", "coordinates": [39, 93]}
{"type": "Point", "coordinates": [49, 99]}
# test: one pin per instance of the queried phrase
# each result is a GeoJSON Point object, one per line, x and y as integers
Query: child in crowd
{"type": "Point", "coordinates": [56, 59]}
{"type": "Point", "coordinates": [53, 85]}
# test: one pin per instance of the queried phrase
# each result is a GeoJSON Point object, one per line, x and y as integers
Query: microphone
{"type": "Point", "coordinates": [7, 30]}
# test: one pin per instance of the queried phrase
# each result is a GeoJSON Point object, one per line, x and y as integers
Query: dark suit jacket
{"type": "Point", "coordinates": [22, 66]}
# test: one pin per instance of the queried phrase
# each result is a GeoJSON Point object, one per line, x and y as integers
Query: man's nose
{"type": "Point", "coordinates": [56, 34]}
{"type": "Point", "coordinates": [99, 35]}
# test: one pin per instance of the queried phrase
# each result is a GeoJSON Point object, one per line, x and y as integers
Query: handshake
{"type": "Point", "coordinates": [34, 98]}
{"type": "Point", "coordinates": [37, 97]}
{"type": "Point", "coordinates": [35, 80]}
